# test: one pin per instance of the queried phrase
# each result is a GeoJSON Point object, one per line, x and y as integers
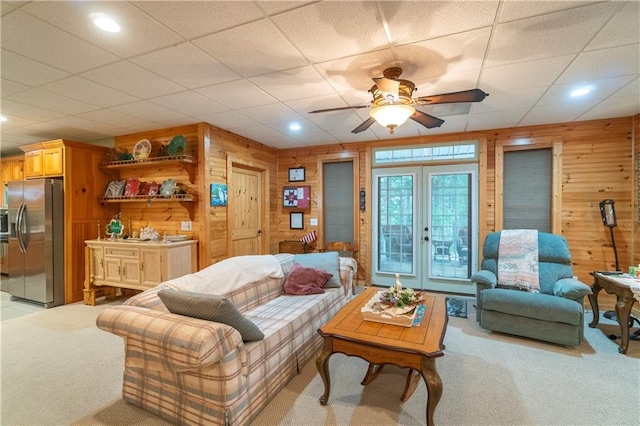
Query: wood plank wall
{"type": "Point", "coordinates": [211, 147]}
{"type": "Point", "coordinates": [596, 164]}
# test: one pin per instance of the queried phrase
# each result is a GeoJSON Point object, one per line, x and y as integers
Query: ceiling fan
{"type": "Point", "coordinates": [392, 103]}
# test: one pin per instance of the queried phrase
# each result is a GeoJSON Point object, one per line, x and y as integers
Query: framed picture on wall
{"type": "Point", "coordinates": [296, 220]}
{"type": "Point", "coordinates": [296, 196]}
{"type": "Point", "coordinates": [296, 174]}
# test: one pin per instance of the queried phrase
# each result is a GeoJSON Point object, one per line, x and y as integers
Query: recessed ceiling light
{"type": "Point", "coordinates": [295, 127]}
{"type": "Point", "coordinates": [3, 118]}
{"type": "Point", "coordinates": [107, 24]}
{"type": "Point", "coordinates": [581, 91]}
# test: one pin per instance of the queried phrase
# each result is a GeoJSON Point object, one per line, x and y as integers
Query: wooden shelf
{"type": "Point", "coordinates": [186, 200]}
{"type": "Point", "coordinates": [187, 161]}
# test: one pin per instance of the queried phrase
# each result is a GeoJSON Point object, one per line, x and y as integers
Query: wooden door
{"type": "Point", "coordinates": [151, 267]}
{"type": "Point", "coordinates": [246, 211]}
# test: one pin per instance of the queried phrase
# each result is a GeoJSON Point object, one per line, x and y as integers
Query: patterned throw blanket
{"type": "Point", "coordinates": [518, 259]}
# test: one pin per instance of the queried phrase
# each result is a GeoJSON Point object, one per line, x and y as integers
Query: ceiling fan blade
{"type": "Point", "coordinates": [428, 121]}
{"type": "Point", "coordinates": [473, 95]}
{"type": "Point", "coordinates": [364, 126]}
{"type": "Point", "coordinates": [388, 85]}
{"type": "Point", "coordinates": [339, 109]}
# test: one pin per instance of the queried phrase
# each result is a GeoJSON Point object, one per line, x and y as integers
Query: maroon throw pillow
{"type": "Point", "coordinates": [302, 280]}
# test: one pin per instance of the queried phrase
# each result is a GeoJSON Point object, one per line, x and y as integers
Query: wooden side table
{"type": "Point", "coordinates": [613, 284]}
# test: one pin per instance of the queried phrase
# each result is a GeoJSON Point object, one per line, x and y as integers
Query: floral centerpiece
{"type": "Point", "coordinates": [395, 306]}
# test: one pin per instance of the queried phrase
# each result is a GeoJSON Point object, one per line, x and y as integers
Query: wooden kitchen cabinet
{"type": "Point", "coordinates": [135, 265]}
{"type": "Point", "coordinates": [47, 162]}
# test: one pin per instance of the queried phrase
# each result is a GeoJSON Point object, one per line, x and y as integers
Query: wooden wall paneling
{"type": "Point", "coordinates": [84, 183]}
{"type": "Point", "coordinates": [595, 165]}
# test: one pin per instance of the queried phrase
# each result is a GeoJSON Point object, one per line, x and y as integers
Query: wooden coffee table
{"type": "Point", "coordinates": [415, 348]}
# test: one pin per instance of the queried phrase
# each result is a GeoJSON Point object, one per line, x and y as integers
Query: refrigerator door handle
{"type": "Point", "coordinates": [20, 219]}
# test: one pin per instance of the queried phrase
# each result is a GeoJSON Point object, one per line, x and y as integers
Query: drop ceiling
{"type": "Point", "coordinates": [254, 67]}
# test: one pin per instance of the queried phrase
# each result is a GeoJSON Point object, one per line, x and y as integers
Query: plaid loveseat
{"type": "Point", "coordinates": [192, 371]}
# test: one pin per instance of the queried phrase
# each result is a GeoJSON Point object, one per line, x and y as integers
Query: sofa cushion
{"type": "Point", "coordinates": [211, 308]}
{"type": "Point", "coordinates": [302, 280]}
{"type": "Point", "coordinates": [326, 261]}
{"type": "Point", "coordinates": [532, 305]}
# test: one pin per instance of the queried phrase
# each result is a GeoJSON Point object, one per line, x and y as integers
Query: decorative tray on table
{"type": "Point", "coordinates": [395, 306]}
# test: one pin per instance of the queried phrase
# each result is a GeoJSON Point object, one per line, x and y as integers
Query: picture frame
{"type": "Point", "coordinates": [296, 220]}
{"type": "Point", "coordinates": [296, 174]}
{"type": "Point", "coordinates": [297, 196]}
{"type": "Point", "coordinates": [219, 194]}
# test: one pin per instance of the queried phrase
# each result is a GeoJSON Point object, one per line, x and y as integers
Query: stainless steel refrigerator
{"type": "Point", "coordinates": [36, 241]}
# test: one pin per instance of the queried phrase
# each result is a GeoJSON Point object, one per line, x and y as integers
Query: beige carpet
{"type": "Point", "coordinates": [57, 368]}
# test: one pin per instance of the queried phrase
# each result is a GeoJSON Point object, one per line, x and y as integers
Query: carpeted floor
{"type": "Point", "coordinates": [58, 368]}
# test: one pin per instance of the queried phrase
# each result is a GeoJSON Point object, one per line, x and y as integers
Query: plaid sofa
{"type": "Point", "coordinates": [192, 371]}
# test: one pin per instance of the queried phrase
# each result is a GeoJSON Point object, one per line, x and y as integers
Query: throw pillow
{"type": "Point", "coordinates": [326, 261]}
{"type": "Point", "coordinates": [211, 308]}
{"type": "Point", "coordinates": [302, 280]}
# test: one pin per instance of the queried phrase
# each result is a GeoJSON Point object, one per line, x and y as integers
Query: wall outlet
{"type": "Point", "coordinates": [313, 221]}
{"type": "Point", "coordinates": [185, 225]}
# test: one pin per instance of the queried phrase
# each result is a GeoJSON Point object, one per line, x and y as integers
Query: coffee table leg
{"type": "Point", "coordinates": [623, 312]}
{"type": "Point", "coordinates": [372, 373]}
{"type": "Point", "coordinates": [593, 298]}
{"type": "Point", "coordinates": [322, 364]}
{"type": "Point", "coordinates": [434, 386]}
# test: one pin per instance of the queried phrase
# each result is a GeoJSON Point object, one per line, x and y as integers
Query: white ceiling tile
{"type": "Point", "coordinates": [624, 28]}
{"type": "Point", "coordinates": [132, 79]}
{"type": "Point", "coordinates": [330, 30]}
{"type": "Point", "coordinates": [201, 17]}
{"type": "Point", "coordinates": [149, 111]}
{"type": "Point", "coordinates": [498, 118]}
{"type": "Point", "coordinates": [117, 119]}
{"type": "Point", "coordinates": [237, 94]}
{"type": "Point", "coordinates": [139, 32]}
{"type": "Point", "coordinates": [558, 113]}
{"type": "Point", "coordinates": [516, 99]}
{"type": "Point", "coordinates": [9, 6]}
{"type": "Point", "coordinates": [513, 10]}
{"type": "Point", "coordinates": [27, 111]}
{"type": "Point", "coordinates": [597, 64]}
{"type": "Point", "coordinates": [14, 121]}
{"type": "Point", "coordinates": [630, 89]}
{"type": "Point", "coordinates": [602, 89]}
{"type": "Point", "coordinates": [52, 101]}
{"type": "Point", "coordinates": [50, 45]}
{"type": "Point", "coordinates": [189, 103]}
{"type": "Point", "coordinates": [265, 49]}
{"type": "Point", "coordinates": [613, 107]}
{"type": "Point", "coordinates": [229, 120]}
{"type": "Point", "coordinates": [436, 18]}
{"type": "Point", "coordinates": [547, 36]}
{"type": "Point", "coordinates": [80, 123]}
{"type": "Point", "coordinates": [88, 91]}
{"type": "Point", "coordinates": [292, 84]}
{"type": "Point", "coordinates": [186, 65]}
{"type": "Point", "coordinates": [27, 71]}
{"type": "Point", "coordinates": [436, 58]}
{"type": "Point", "coordinates": [9, 87]}
{"type": "Point", "coordinates": [271, 113]}
{"type": "Point", "coordinates": [520, 75]}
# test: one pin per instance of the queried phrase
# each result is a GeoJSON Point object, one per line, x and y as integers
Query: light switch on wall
{"type": "Point", "coordinates": [185, 225]}
{"type": "Point", "coordinates": [313, 221]}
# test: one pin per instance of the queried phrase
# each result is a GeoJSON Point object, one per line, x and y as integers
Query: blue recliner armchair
{"type": "Point", "coordinates": [555, 314]}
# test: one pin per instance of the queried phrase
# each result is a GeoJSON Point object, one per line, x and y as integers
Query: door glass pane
{"type": "Point", "coordinates": [450, 220]}
{"type": "Point", "coordinates": [395, 223]}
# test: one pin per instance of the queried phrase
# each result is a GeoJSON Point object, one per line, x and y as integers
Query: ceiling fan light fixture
{"type": "Point", "coordinates": [392, 116]}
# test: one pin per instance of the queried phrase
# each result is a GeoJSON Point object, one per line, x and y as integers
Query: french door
{"type": "Point", "coordinates": [424, 226]}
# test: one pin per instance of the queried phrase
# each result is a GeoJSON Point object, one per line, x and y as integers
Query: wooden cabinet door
{"type": "Point", "coordinates": [97, 263]}
{"type": "Point", "coordinates": [17, 172]}
{"type": "Point", "coordinates": [52, 162]}
{"type": "Point", "coordinates": [33, 164]}
{"type": "Point", "coordinates": [112, 269]}
{"type": "Point", "coordinates": [130, 271]}
{"type": "Point", "coordinates": [151, 267]}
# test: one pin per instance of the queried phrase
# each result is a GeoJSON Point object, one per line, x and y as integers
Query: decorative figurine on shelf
{"type": "Point", "coordinates": [148, 233]}
{"type": "Point", "coordinates": [114, 227]}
